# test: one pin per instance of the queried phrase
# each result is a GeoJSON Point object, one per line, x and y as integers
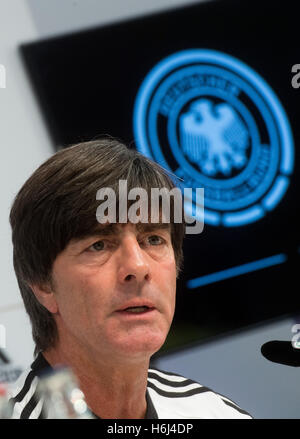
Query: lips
{"type": "Point", "coordinates": [137, 306]}
{"type": "Point", "coordinates": [137, 310]}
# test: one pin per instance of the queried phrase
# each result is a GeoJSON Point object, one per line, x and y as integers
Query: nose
{"type": "Point", "coordinates": [133, 263]}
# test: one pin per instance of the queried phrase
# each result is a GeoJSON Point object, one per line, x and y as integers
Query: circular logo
{"type": "Point", "coordinates": [216, 124]}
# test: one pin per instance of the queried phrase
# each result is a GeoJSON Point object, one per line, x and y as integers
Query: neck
{"type": "Point", "coordinates": [112, 389]}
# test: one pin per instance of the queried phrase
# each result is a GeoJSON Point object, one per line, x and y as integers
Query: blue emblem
{"type": "Point", "coordinates": [214, 138]}
{"type": "Point", "coordinates": [215, 123]}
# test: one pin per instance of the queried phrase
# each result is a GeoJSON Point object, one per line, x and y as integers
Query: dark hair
{"type": "Point", "coordinates": [58, 203]}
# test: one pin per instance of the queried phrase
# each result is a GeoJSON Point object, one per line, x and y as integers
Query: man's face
{"type": "Point", "coordinates": [115, 292]}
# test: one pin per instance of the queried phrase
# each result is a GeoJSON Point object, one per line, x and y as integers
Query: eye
{"type": "Point", "coordinates": [155, 239]}
{"type": "Point", "coordinates": [97, 246]}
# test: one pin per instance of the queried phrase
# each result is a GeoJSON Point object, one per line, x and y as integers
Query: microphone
{"type": "Point", "coordinates": [281, 352]}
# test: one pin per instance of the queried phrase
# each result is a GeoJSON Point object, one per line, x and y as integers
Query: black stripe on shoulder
{"type": "Point", "coordinates": [165, 373]}
{"type": "Point", "coordinates": [182, 383]}
{"type": "Point", "coordinates": [24, 389]}
{"type": "Point", "coordinates": [236, 407]}
{"type": "Point", "coordinates": [29, 407]}
{"type": "Point", "coordinates": [190, 392]}
{"type": "Point", "coordinates": [40, 365]}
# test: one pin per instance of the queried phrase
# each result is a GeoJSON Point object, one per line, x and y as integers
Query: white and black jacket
{"type": "Point", "coordinates": [168, 395]}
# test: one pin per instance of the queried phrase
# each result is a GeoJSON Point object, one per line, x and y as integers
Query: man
{"type": "Point", "coordinates": [101, 296]}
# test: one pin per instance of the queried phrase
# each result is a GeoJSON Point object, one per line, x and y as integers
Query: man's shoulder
{"type": "Point", "coordinates": [173, 396]}
{"type": "Point", "coordinates": [24, 398]}
{"type": "Point", "coordinates": [177, 397]}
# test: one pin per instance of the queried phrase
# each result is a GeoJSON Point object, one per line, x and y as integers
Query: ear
{"type": "Point", "coordinates": [45, 295]}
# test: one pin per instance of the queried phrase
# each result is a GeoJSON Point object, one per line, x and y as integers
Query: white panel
{"type": "Point", "coordinates": [19, 344]}
{"type": "Point", "coordinates": [24, 142]}
{"type": "Point", "coordinates": [58, 17]}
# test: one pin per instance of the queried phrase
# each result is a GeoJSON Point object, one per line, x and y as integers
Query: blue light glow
{"type": "Point", "coordinates": [237, 271]}
{"type": "Point", "coordinates": [244, 217]}
{"type": "Point", "coordinates": [276, 193]}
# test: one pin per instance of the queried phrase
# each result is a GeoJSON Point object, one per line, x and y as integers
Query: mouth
{"type": "Point", "coordinates": [136, 309]}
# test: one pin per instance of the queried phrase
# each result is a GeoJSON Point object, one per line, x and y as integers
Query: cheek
{"type": "Point", "coordinates": [168, 266]}
{"type": "Point", "coordinates": [166, 273]}
{"type": "Point", "coordinates": [71, 294]}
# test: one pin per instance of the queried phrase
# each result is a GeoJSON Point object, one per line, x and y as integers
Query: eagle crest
{"type": "Point", "coordinates": [214, 137]}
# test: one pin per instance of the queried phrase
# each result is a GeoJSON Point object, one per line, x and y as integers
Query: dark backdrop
{"type": "Point", "coordinates": [86, 84]}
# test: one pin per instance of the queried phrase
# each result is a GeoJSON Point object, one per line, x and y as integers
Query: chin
{"type": "Point", "coordinates": [142, 346]}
